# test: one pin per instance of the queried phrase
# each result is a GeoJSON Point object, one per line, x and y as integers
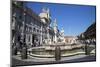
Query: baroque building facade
{"type": "Point", "coordinates": [31, 28]}
{"type": "Point", "coordinates": [71, 39]}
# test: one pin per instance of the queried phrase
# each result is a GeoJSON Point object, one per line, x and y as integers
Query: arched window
{"type": "Point", "coordinates": [34, 29]}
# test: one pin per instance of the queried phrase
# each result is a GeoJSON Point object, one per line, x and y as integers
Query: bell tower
{"type": "Point", "coordinates": [45, 16]}
{"type": "Point", "coordinates": [46, 20]}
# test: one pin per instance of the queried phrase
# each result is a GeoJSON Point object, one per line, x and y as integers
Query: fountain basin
{"type": "Point", "coordinates": [48, 51]}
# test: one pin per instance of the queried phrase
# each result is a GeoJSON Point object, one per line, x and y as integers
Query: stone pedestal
{"type": "Point", "coordinates": [24, 53]}
{"type": "Point", "coordinates": [57, 53]}
{"type": "Point", "coordinates": [87, 50]}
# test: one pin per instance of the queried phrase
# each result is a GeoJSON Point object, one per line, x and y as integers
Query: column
{"type": "Point", "coordinates": [55, 38]}
{"type": "Point", "coordinates": [48, 35]}
{"type": "Point", "coordinates": [26, 39]}
{"type": "Point", "coordinates": [31, 38]}
{"type": "Point", "coordinates": [41, 35]}
{"type": "Point", "coordinates": [22, 33]}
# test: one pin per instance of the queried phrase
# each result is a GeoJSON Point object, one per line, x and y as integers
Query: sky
{"type": "Point", "coordinates": [74, 19]}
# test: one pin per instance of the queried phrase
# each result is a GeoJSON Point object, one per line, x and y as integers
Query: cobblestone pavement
{"type": "Point", "coordinates": [38, 61]}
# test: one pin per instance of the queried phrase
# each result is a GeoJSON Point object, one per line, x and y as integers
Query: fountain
{"type": "Point", "coordinates": [48, 51]}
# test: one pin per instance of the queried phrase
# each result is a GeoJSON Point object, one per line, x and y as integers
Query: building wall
{"type": "Point", "coordinates": [26, 25]}
{"type": "Point", "coordinates": [70, 40]}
